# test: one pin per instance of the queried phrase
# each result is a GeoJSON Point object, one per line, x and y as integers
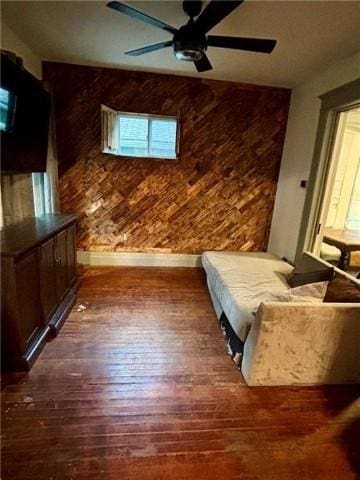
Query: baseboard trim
{"type": "Point", "coordinates": [137, 259]}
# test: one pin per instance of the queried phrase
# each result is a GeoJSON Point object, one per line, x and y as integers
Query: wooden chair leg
{"type": "Point", "coordinates": [343, 262]}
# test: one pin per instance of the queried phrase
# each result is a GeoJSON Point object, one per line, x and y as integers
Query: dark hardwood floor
{"type": "Point", "coordinates": [139, 386]}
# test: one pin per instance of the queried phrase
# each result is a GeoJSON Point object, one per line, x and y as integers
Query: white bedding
{"type": "Point", "coordinates": [240, 280]}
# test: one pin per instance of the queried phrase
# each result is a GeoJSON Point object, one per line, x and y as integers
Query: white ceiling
{"type": "Point", "coordinates": [312, 35]}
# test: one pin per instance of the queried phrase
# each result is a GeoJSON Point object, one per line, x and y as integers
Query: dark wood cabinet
{"type": "Point", "coordinates": [28, 297]}
{"type": "Point", "coordinates": [71, 252]}
{"type": "Point", "coordinates": [39, 284]}
{"type": "Point", "coordinates": [47, 278]}
{"type": "Point", "coordinates": [61, 264]}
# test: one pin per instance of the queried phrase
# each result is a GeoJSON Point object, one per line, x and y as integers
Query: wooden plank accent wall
{"type": "Point", "coordinates": [218, 195]}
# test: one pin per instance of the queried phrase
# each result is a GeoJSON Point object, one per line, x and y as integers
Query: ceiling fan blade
{"type": "Point", "coordinates": [215, 12]}
{"type": "Point", "coordinates": [121, 7]}
{"type": "Point", "coordinates": [203, 65]}
{"type": "Point", "coordinates": [240, 43]}
{"type": "Point", "coordinates": [149, 48]}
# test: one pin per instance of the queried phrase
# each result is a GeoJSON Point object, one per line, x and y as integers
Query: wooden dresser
{"type": "Point", "coordinates": [38, 285]}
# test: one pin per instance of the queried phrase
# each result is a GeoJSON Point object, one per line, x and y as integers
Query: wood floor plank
{"type": "Point", "coordinates": [139, 386]}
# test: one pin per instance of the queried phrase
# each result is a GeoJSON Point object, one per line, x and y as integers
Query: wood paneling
{"type": "Point", "coordinates": [139, 386]}
{"type": "Point", "coordinates": [218, 195]}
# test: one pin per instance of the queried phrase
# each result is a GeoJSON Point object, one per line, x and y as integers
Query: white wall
{"type": "Point", "coordinates": [10, 41]}
{"type": "Point", "coordinates": [298, 152]}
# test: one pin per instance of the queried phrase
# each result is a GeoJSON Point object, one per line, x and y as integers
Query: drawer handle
{"type": "Point", "coordinates": [58, 260]}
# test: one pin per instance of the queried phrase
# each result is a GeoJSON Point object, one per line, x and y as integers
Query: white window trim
{"type": "Point", "coordinates": [114, 148]}
{"type": "Point", "coordinates": [109, 131]}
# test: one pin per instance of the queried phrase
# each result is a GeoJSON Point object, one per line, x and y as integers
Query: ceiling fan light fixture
{"type": "Point", "coordinates": [189, 55]}
{"type": "Point", "coordinates": [189, 45]}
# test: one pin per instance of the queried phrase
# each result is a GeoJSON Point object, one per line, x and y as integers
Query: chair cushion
{"type": "Point", "coordinates": [240, 281]}
{"type": "Point", "coordinates": [342, 290]}
{"type": "Point", "coordinates": [313, 292]}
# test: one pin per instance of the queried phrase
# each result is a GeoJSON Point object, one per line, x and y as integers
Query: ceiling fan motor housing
{"type": "Point", "coordinates": [192, 8]}
{"type": "Point", "coordinates": [189, 44]}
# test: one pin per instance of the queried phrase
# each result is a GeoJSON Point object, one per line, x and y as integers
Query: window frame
{"type": "Point", "coordinates": [41, 193]}
{"type": "Point", "coordinates": [333, 103]}
{"type": "Point", "coordinates": [151, 117]}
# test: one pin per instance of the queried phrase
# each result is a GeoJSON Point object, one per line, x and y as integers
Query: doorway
{"type": "Point", "coordinates": [337, 236]}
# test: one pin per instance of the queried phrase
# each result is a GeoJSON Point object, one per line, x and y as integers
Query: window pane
{"type": "Point", "coordinates": [133, 136]}
{"type": "Point", "coordinates": [352, 221]}
{"type": "Point", "coordinates": [163, 138]}
{"type": "Point", "coordinates": [38, 193]}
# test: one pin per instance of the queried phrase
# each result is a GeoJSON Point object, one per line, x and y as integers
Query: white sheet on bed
{"type": "Point", "coordinates": [240, 281]}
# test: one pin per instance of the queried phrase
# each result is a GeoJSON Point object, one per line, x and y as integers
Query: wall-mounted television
{"type": "Point", "coordinates": [24, 119]}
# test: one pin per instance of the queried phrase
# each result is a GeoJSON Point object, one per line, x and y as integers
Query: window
{"type": "Point", "coordinates": [139, 135]}
{"type": "Point", "coordinates": [352, 221]}
{"type": "Point", "coordinates": [133, 136]}
{"type": "Point", "coordinates": [41, 193]}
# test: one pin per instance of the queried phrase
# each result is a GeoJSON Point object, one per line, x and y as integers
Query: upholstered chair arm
{"type": "Point", "coordinates": [302, 343]}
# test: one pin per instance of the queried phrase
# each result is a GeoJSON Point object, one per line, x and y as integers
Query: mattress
{"type": "Point", "coordinates": [240, 280]}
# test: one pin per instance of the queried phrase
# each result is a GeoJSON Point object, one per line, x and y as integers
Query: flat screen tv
{"type": "Point", "coordinates": [24, 120]}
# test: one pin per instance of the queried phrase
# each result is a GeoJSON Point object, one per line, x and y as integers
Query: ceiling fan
{"type": "Point", "coordinates": [191, 40]}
